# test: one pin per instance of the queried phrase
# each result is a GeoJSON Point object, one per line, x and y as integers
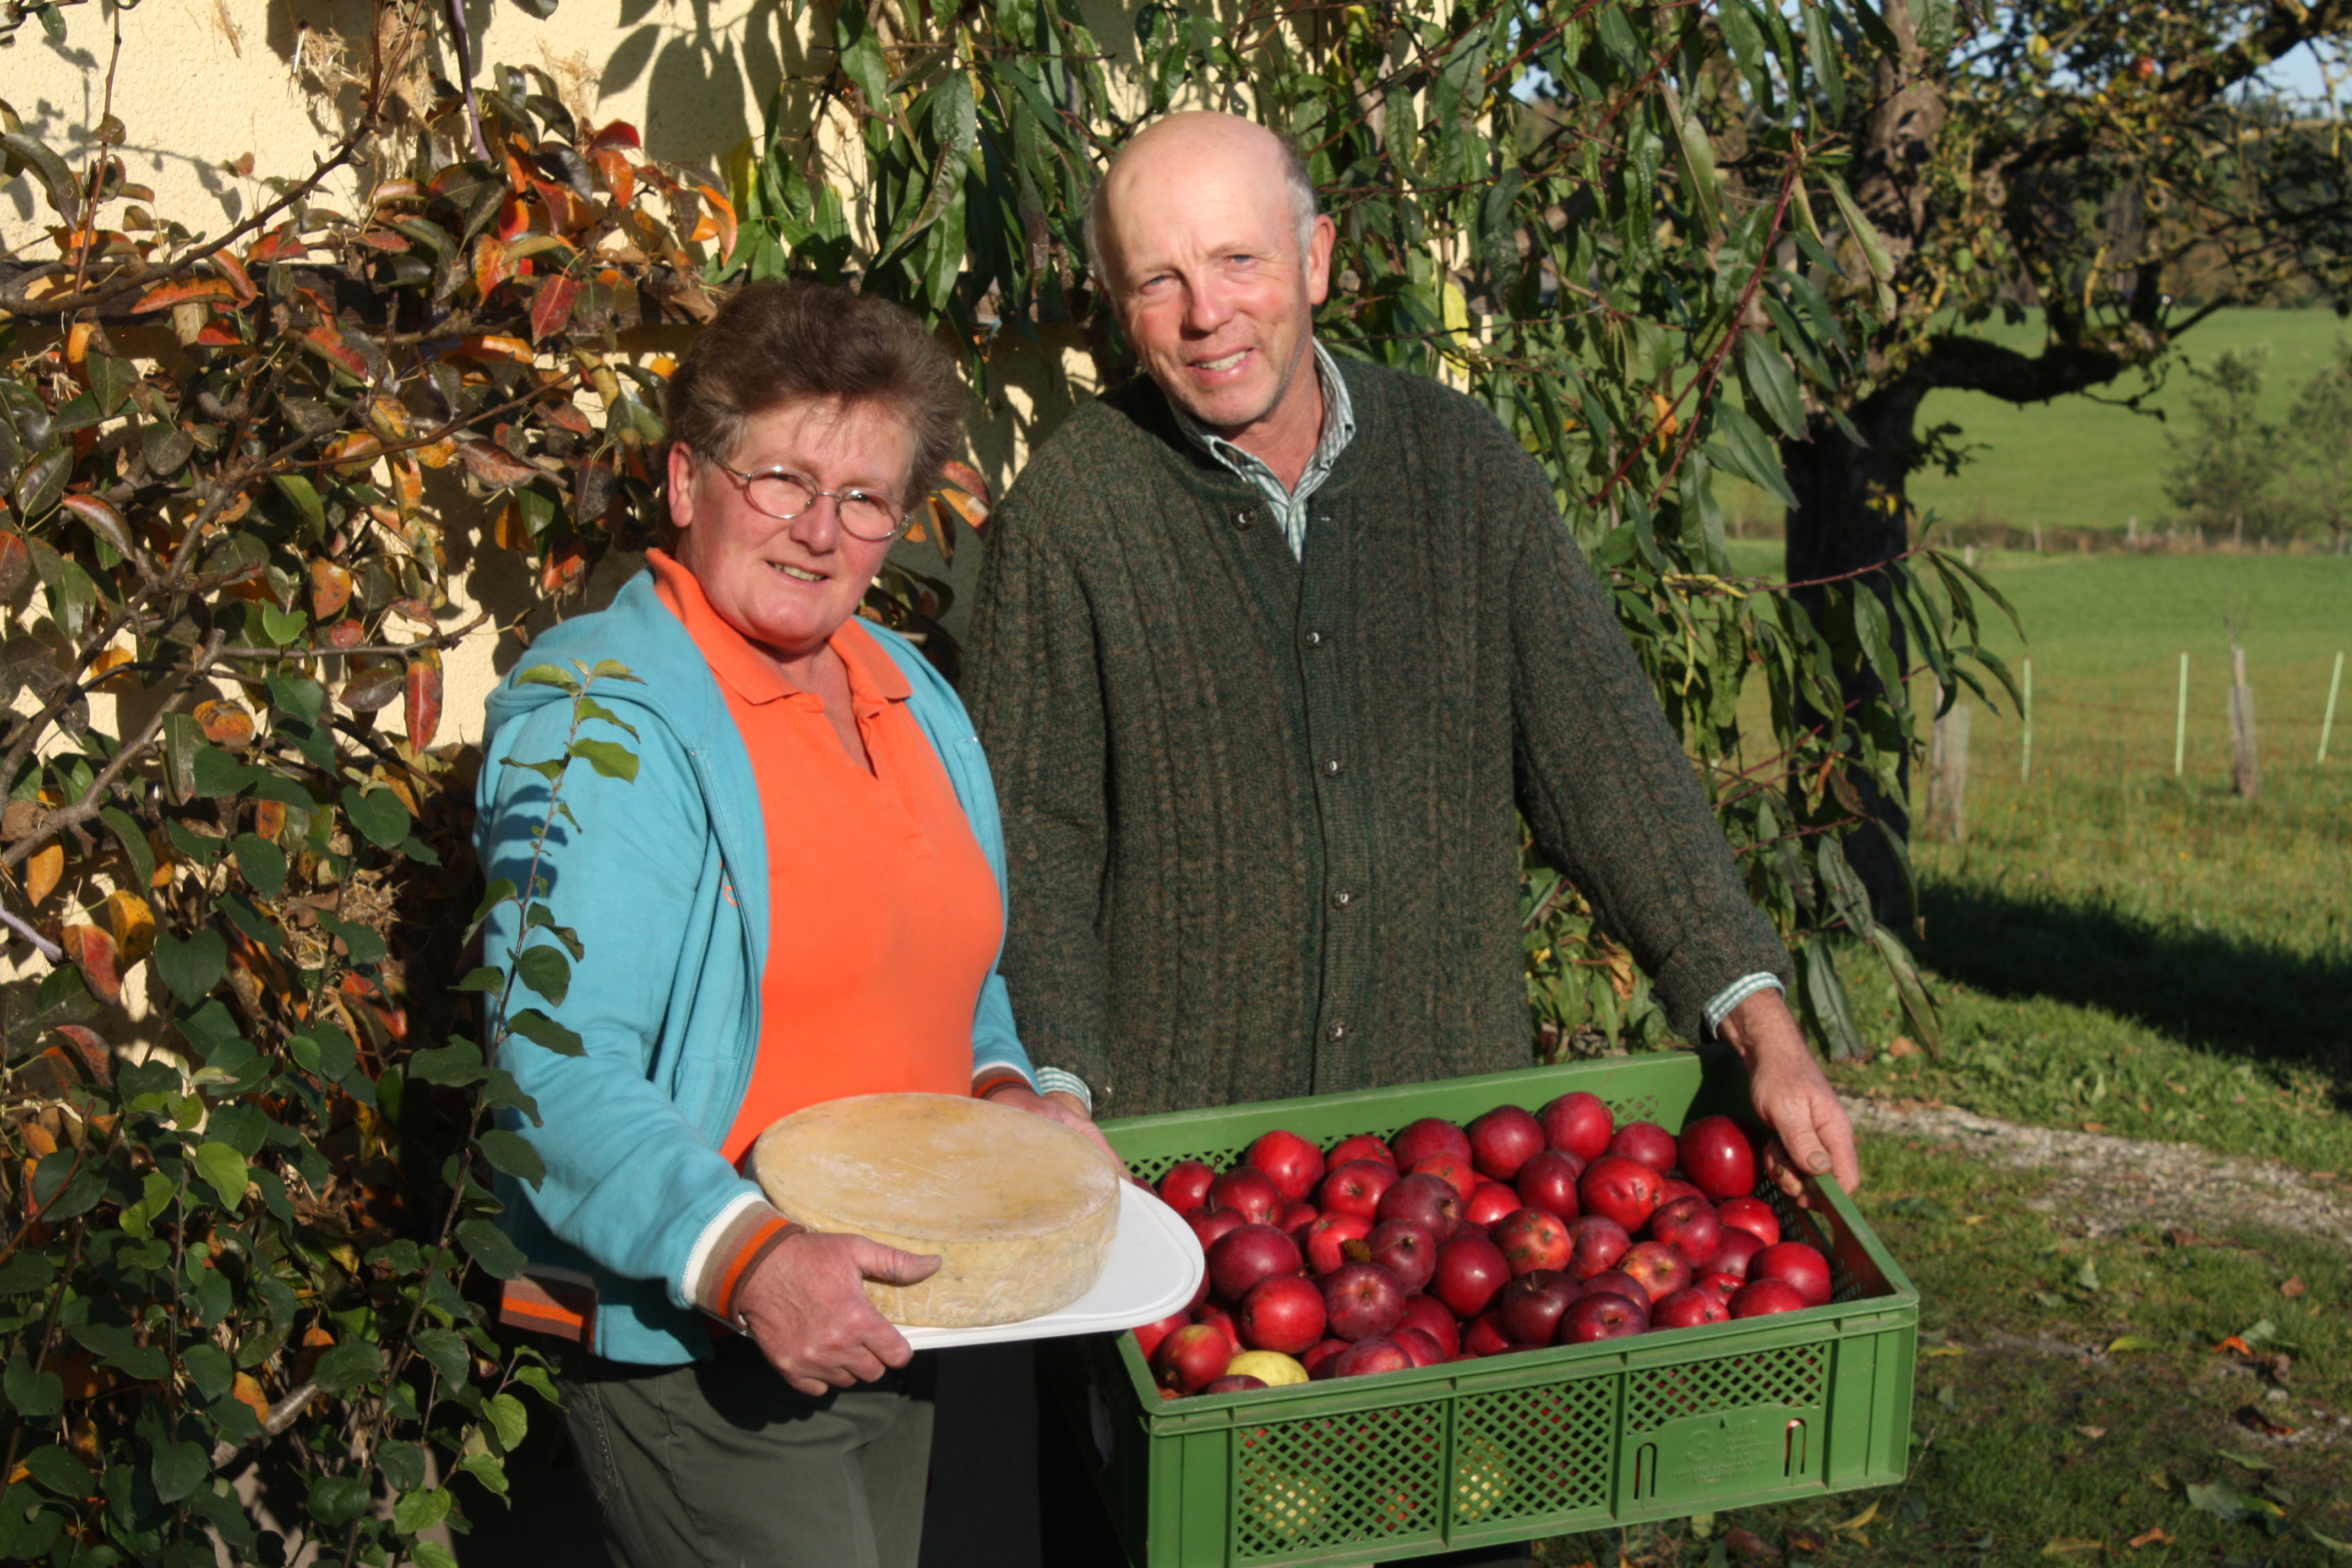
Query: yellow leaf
{"type": "Point", "coordinates": [1942, 1349]}
{"type": "Point", "coordinates": [42, 871]}
{"type": "Point", "coordinates": [130, 922]}
{"type": "Point", "coordinates": [1858, 1521]}
{"type": "Point", "coordinates": [2066, 1546]}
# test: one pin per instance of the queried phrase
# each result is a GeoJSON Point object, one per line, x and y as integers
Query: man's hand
{"type": "Point", "coordinates": [1066, 1108]}
{"type": "Point", "coordinates": [1792, 1095]}
{"type": "Point", "coordinates": [805, 1305]}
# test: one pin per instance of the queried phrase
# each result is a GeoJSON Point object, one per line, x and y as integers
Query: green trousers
{"type": "Point", "coordinates": [721, 1465]}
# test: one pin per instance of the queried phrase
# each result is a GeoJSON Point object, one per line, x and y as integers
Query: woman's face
{"type": "Point", "coordinates": [789, 585]}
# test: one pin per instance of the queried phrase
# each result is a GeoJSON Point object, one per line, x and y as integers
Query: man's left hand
{"type": "Point", "coordinates": [1063, 1107]}
{"type": "Point", "coordinates": [1792, 1095]}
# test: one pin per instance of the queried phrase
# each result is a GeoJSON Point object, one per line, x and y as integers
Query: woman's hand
{"type": "Point", "coordinates": [805, 1306]}
{"type": "Point", "coordinates": [1066, 1108]}
{"type": "Point", "coordinates": [1793, 1096]}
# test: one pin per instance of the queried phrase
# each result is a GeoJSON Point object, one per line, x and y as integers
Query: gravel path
{"type": "Point", "coordinates": [2108, 1185]}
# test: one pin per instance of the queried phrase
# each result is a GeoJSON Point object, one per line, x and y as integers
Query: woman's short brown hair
{"type": "Point", "coordinates": [778, 345]}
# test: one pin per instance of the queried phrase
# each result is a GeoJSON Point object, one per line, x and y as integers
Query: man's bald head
{"type": "Point", "coordinates": [1171, 146]}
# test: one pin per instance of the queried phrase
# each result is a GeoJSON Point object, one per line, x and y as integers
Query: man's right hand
{"type": "Point", "coordinates": [805, 1307]}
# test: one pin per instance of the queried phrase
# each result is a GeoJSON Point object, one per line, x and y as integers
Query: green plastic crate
{"type": "Point", "coordinates": [1507, 1448]}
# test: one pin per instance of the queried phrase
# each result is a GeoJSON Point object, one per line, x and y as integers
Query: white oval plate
{"type": "Point", "coordinates": [1155, 1265]}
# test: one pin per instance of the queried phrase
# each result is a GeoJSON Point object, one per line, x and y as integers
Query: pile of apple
{"type": "Point", "coordinates": [1523, 1230]}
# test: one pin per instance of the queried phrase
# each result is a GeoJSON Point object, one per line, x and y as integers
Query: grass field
{"type": "Point", "coordinates": [2077, 462]}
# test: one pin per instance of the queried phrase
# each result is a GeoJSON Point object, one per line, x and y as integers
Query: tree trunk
{"type": "Point", "coordinates": [1852, 514]}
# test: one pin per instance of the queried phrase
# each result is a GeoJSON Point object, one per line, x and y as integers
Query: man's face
{"type": "Point", "coordinates": [1211, 289]}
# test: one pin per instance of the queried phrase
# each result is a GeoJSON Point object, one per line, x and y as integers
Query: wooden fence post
{"type": "Point", "coordinates": [2180, 719]}
{"type": "Point", "coordinates": [2025, 756]}
{"type": "Point", "coordinates": [2327, 724]}
{"type": "Point", "coordinates": [1948, 774]}
{"type": "Point", "coordinates": [2245, 759]}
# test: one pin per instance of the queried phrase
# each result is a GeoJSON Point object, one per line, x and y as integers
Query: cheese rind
{"type": "Point", "coordinates": [1021, 1210]}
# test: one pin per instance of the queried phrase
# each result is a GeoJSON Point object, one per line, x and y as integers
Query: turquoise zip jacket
{"type": "Point", "coordinates": [665, 883]}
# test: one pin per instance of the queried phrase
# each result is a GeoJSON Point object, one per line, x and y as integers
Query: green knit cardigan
{"type": "Point", "coordinates": [1260, 811]}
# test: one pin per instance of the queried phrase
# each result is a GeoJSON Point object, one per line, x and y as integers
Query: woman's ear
{"type": "Point", "coordinates": [681, 485]}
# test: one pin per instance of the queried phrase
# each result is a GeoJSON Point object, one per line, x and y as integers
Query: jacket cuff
{"type": "Point", "coordinates": [729, 1247]}
{"type": "Point", "coordinates": [1727, 1001]}
{"type": "Point", "coordinates": [1051, 1080]}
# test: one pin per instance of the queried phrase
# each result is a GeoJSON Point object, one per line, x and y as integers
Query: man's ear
{"type": "Point", "coordinates": [1319, 241]}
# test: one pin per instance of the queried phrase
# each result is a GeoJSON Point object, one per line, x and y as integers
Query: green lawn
{"type": "Point", "coordinates": [2079, 462]}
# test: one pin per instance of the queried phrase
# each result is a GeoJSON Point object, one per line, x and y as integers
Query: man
{"type": "Point", "coordinates": [1266, 651]}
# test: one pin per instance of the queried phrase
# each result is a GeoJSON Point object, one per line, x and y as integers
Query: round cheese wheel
{"type": "Point", "coordinates": [1019, 1210]}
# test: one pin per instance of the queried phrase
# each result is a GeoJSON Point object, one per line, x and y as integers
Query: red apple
{"type": "Point", "coordinates": [1532, 1239]}
{"type": "Point", "coordinates": [1489, 1201]}
{"type": "Point", "coordinates": [1428, 1314]}
{"type": "Point", "coordinates": [1753, 1216]}
{"type": "Point", "coordinates": [1484, 1335]}
{"type": "Point", "coordinates": [1689, 1225]}
{"type": "Point", "coordinates": [1318, 1361]}
{"type": "Point", "coordinates": [1530, 1306]}
{"type": "Point", "coordinates": [1734, 1251]}
{"type": "Point", "coordinates": [1619, 1189]}
{"type": "Point", "coordinates": [1688, 1308]}
{"type": "Point", "coordinates": [1800, 1265]}
{"type": "Point", "coordinates": [1502, 1140]}
{"type": "Point", "coordinates": [1672, 1188]}
{"type": "Point", "coordinates": [1598, 1243]}
{"type": "Point", "coordinates": [1646, 1142]}
{"type": "Point", "coordinates": [1147, 1338]}
{"type": "Point", "coordinates": [1235, 1383]}
{"type": "Point", "coordinates": [1217, 1318]}
{"type": "Point", "coordinates": [1603, 1315]}
{"type": "Point", "coordinates": [1324, 1242]}
{"type": "Point", "coordinates": [1617, 1282]}
{"type": "Point", "coordinates": [1455, 1168]}
{"type": "Point", "coordinates": [1282, 1313]}
{"type": "Point", "coordinates": [1250, 1193]}
{"type": "Point", "coordinates": [1762, 1298]}
{"type": "Point", "coordinates": [1296, 1217]}
{"type": "Point", "coordinates": [1722, 1286]}
{"type": "Point", "coordinates": [1191, 1358]}
{"type": "Point", "coordinates": [1717, 1158]}
{"type": "Point", "coordinates": [1356, 1187]}
{"type": "Point", "coordinates": [1430, 1199]}
{"type": "Point", "coordinates": [1366, 1357]}
{"type": "Point", "coordinates": [1548, 1182]}
{"type": "Point", "coordinates": [1579, 1123]}
{"type": "Point", "coordinates": [1362, 1146]}
{"type": "Point", "coordinates": [1406, 1248]}
{"type": "Point", "coordinates": [1361, 1301]}
{"type": "Point", "coordinates": [1420, 1345]}
{"type": "Point", "coordinates": [1294, 1164]}
{"type": "Point", "coordinates": [1185, 1188]}
{"type": "Point", "coordinates": [1245, 1255]}
{"type": "Point", "coordinates": [1430, 1135]}
{"type": "Point", "coordinates": [1661, 1270]}
{"type": "Point", "coordinates": [1470, 1270]}
{"type": "Point", "coordinates": [1213, 1224]}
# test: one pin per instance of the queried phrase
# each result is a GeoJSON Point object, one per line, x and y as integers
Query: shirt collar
{"type": "Point", "coordinates": [1339, 424]}
{"type": "Point", "coordinates": [745, 670]}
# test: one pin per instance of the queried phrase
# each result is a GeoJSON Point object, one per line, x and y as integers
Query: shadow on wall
{"type": "Point", "coordinates": [2227, 997]}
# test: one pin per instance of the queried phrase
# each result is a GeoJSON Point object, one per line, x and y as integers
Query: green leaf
{"type": "Point", "coordinates": [1825, 993]}
{"type": "Point", "coordinates": [610, 758]}
{"type": "Point", "coordinates": [447, 1352]}
{"type": "Point", "coordinates": [135, 847]}
{"type": "Point", "coordinates": [378, 814]}
{"type": "Point", "coordinates": [282, 627]}
{"type": "Point", "coordinates": [420, 1510]}
{"type": "Point", "coordinates": [223, 1169]}
{"type": "Point", "coordinates": [347, 1365]}
{"type": "Point", "coordinates": [549, 674]}
{"type": "Point", "coordinates": [336, 1500]}
{"type": "Point", "coordinates": [191, 968]}
{"type": "Point", "coordinates": [1866, 236]}
{"type": "Point", "coordinates": [545, 970]}
{"type": "Point", "coordinates": [213, 771]}
{"type": "Point", "coordinates": [177, 1468]}
{"type": "Point", "coordinates": [484, 979]}
{"type": "Point", "coordinates": [36, 1395]}
{"type": "Point", "coordinates": [543, 1031]}
{"type": "Point", "coordinates": [1746, 451]}
{"type": "Point", "coordinates": [364, 942]}
{"type": "Point", "coordinates": [509, 1154]}
{"type": "Point", "coordinates": [304, 496]}
{"type": "Point", "coordinates": [507, 1418]}
{"type": "Point", "coordinates": [261, 863]}
{"type": "Point", "coordinates": [2251, 1461]}
{"type": "Point", "coordinates": [488, 1245]}
{"type": "Point", "coordinates": [2130, 1342]}
{"type": "Point", "coordinates": [452, 1066]}
{"type": "Point", "coordinates": [1769, 381]}
{"type": "Point", "coordinates": [209, 1368]}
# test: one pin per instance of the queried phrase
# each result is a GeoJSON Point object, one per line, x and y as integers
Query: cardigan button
{"type": "Point", "coordinates": [1342, 898]}
{"type": "Point", "coordinates": [1245, 518]}
{"type": "Point", "coordinates": [1313, 637]}
{"type": "Point", "coordinates": [1333, 767]}
{"type": "Point", "coordinates": [1336, 1031]}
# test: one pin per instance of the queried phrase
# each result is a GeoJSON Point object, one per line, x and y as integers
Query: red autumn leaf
{"type": "Point", "coordinates": [565, 417]}
{"type": "Point", "coordinates": [564, 564]}
{"type": "Point", "coordinates": [967, 479]}
{"type": "Point", "coordinates": [513, 219]}
{"type": "Point", "coordinates": [383, 239]}
{"type": "Point", "coordinates": [92, 952]}
{"type": "Point", "coordinates": [279, 244]}
{"type": "Point", "coordinates": [613, 167]}
{"type": "Point", "coordinates": [328, 345]}
{"type": "Point", "coordinates": [494, 347]}
{"type": "Point", "coordinates": [15, 563]}
{"type": "Point", "coordinates": [566, 213]}
{"type": "Point", "coordinates": [216, 336]}
{"type": "Point", "coordinates": [421, 701]}
{"type": "Point", "coordinates": [331, 589]}
{"type": "Point", "coordinates": [163, 295]}
{"type": "Point", "coordinates": [490, 264]}
{"type": "Point", "coordinates": [551, 307]}
{"type": "Point", "coordinates": [102, 521]}
{"type": "Point", "coordinates": [723, 212]}
{"type": "Point", "coordinates": [494, 465]}
{"type": "Point", "coordinates": [618, 133]}
{"type": "Point", "coordinates": [239, 280]}
{"type": "Point", "coordinates": [95, 1054]}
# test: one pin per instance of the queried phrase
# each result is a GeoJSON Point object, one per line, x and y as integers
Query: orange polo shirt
{"type": "Point", "coordinates": [883, 914]}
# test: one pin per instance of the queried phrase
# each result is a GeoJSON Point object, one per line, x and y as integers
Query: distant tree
{"type": "Point", "coordinates": [2226, 476]}
{"type": "Point", "coordinates": [2319, 442]}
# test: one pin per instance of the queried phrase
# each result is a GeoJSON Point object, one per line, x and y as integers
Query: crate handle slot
{"type": "Point", "coordinates": [1645, 1470]}
{"type": "Point", "coordinates": [1793, 1450]}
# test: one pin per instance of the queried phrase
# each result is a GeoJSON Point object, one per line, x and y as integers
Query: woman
{"type": "Point", "coordinates": [799, 896]}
